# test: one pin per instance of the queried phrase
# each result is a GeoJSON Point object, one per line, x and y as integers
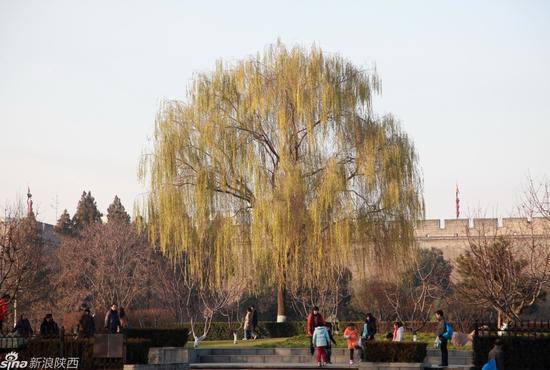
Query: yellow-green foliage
{"type": "Point", "coordinates": [277, 165]}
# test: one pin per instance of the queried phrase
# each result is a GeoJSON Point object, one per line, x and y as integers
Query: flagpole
{"type": "Point", "coordinates": [457, 202]}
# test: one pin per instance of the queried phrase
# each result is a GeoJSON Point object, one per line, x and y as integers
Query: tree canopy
{"type": "Point", "coordinates": [86, 212]}
{"type": "Point", "coordinates": [116, 212]}
{"type": "Point", "coordinates": [277, 163]}
{"type": "Point", "coordinates": [65, 225]}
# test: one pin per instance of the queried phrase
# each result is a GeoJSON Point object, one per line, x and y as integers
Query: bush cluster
{"type": "Point", "coordinates": [82, 349]}
{"type": "Point", "coordinates": [169, 337]}
{"type": "Point", "coordinates": [520, 352]}
{"type": "Point", "coordinates": [378, 351]}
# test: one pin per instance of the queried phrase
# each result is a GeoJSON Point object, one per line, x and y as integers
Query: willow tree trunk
{"type": "Point", "coordinates": [281, 313]}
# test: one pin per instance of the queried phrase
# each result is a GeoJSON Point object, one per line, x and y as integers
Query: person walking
{"type": "Point", "coordinates": [321, 341]}
{"type": "Point", "coordinates": [49, 327]}
{"type": "Point", "coordinates": [352, 336]}
{"type": "Point", "coordinates": [398, 331]}
{"type": "Point", "coordinates": [4, 302]}
{"type": "Point", "coordinates": [369, 328]}
{"type": "Point", "coordinates": [329, 348]}
{"type": "Point", "coordinates": [86, 325]}
{"type": "Point", "coordinates": [112, 320]}
{"type": "Point", "coordinates": [313, 320]}
{"type": "Point", "coordinates": [247, 326]}
{"type": "Point", "coordinates": [441, 330]}
{"type": "Point", "coordinates": [23, 327]}
{"type": "Point", "coordinates": [254, 322]}
{"type": "Point", "coordinates": [497, 355]}
{"type": "Point", "coordinates": [123, 318]}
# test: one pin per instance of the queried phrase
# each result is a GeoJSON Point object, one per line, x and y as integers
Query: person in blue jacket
{"type": "Point", "coordinates": [321, 340]}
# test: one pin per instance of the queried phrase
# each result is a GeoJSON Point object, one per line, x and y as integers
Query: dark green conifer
{"type": "Point", "coordinates": [86, 212]}
{"type": "Point", "coordinates": [117, 213]}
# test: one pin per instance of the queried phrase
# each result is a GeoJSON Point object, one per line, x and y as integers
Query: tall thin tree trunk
{"type": "Point", "coordinates": [281, 312]}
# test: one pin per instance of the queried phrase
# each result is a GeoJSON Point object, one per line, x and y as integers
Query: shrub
{"type": "Point", "coordinates": [137, 350]}
{"type": "Point", "coordinates": [394, 351]}
{"type": "Point", "coordinates": [285, 329]}
{"type": "Point", "coordinates": [67, 347]}
{"type": "Point", "coordinates": [519, 352]}
{"type": "Point", "coordinates": [170, 337]}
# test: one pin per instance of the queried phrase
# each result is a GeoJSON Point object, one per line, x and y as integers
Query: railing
{"type": "Point", "coordinates": [514, 328]}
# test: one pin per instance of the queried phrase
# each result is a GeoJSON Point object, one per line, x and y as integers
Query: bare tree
{"type": "Point", "coordinates": [329, 294]}
{"type": "Point", "coordinates": [423, 285]}
{"type": "Point", "coordinates": [106, 263]}
{"type": "Point", "coordinates": [171, 287]}
{"type": "Point", "coordinates": [506, 272]}
{"type": "Point", "coordinates": [24, 273]}
{"type": "Point", "coordinates": [203, 303]}
{"type": "Point", "coordinates": [536, 200]}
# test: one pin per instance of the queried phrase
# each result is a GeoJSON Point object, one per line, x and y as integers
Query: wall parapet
{"type": "Point", "coordinates": [461, 227]}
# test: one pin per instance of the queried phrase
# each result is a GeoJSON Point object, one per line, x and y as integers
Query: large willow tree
{"type": "Point", "coordinates": [277, 165]}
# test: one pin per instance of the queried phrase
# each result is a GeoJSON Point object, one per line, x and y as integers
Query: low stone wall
{"type": "Point", "coordinates": [390, 366]}
{"type": "Point", "coordinates": [172, 355]}
{"type": "Point", "coordinates": [157, 367]}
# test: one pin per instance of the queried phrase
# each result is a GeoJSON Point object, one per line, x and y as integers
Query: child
{"type": "Point", "coordinates": [352, 335]}
{"type": "Point", "coordinates": [329, 348]}
{"type": "Point", "coordinates": [321, 340]}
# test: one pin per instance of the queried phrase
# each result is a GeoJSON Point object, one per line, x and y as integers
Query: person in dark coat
{"type": "Point", "coordinates": [369, 328]}
{"type": "Point", "coordinates": [314, 319]}
{"type": "Point", "coordinates": [254, 322]}
{"type": "Point", "coordinates": [49, 327]}
{"type": "Point", "coordinates": [441, 329]}
{"type": "Point", "coordinates": [123, 318]}
{"type": "Point", "coordinates": [329, 348]}
{"type": "Point", "coordinates": [4, 302]}
{"type": "Point", "coordinates": [86, 325]}
{"type": "Point", "coordinates": [112, 320]}
{"type": "Point", "coordinates": [23, 327]}
{"type": "Point", "coordinates": [497, 354]}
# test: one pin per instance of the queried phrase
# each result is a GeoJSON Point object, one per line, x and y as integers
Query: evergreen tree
{"type": "Point", "coordinates": [65, 225]}
{"type": "Point", "coordinates": [86, 212]}
{"type": "Point", "coordinates": [117, 213]}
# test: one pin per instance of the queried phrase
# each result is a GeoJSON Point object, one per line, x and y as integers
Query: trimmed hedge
{"type": "Point", "coordinates": [284, 329]}
{"type": "Point", "coordinates": [172, 337]}
{"type": "Point", "coordinates": [520, 352]}
{"type": "Point", "coordinates": [375, 351]}
{"type": "Point", "coordinates": [223, 331]}
{"type": "Point", "coordinates": [83, 349]}
{"type": "Point", "coordinates": [137, 350]}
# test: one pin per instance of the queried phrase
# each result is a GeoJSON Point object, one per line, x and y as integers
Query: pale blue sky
{"type": "Point", "coordinates": [81, 81]}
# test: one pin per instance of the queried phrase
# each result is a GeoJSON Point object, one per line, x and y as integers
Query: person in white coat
{"type": "Point", "coordinates": [398, 332]}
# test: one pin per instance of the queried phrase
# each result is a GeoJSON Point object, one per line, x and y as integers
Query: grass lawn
{"type": "Point", "coordinates": [302, 341]}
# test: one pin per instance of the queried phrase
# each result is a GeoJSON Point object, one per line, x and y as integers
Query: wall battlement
{"type": "Point", "coordinates": [460, 227]}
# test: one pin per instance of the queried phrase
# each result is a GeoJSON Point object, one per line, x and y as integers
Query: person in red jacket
{"type": "Point", "coordinates": [314, 319]}
{"type": "Point", "coordinates": [4, 301]}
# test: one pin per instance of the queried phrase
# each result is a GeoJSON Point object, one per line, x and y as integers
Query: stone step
{"type": "Point", "coordinates": [256, 366]}
{"type": "Point", "coordinates": [450, 367]}
{"type": "Point", "coordinates": [299, 366]}
{"type": "Point", "coordinates": [270, 359]}
{"type": "Point", "coordinates": [452, 352]}
{"type": "Point", "coordinates": [434, 360]}
{"type": "Point", "coordinates": [303, 351]}
{"type": "Point", "coordinates": [336, 359]}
